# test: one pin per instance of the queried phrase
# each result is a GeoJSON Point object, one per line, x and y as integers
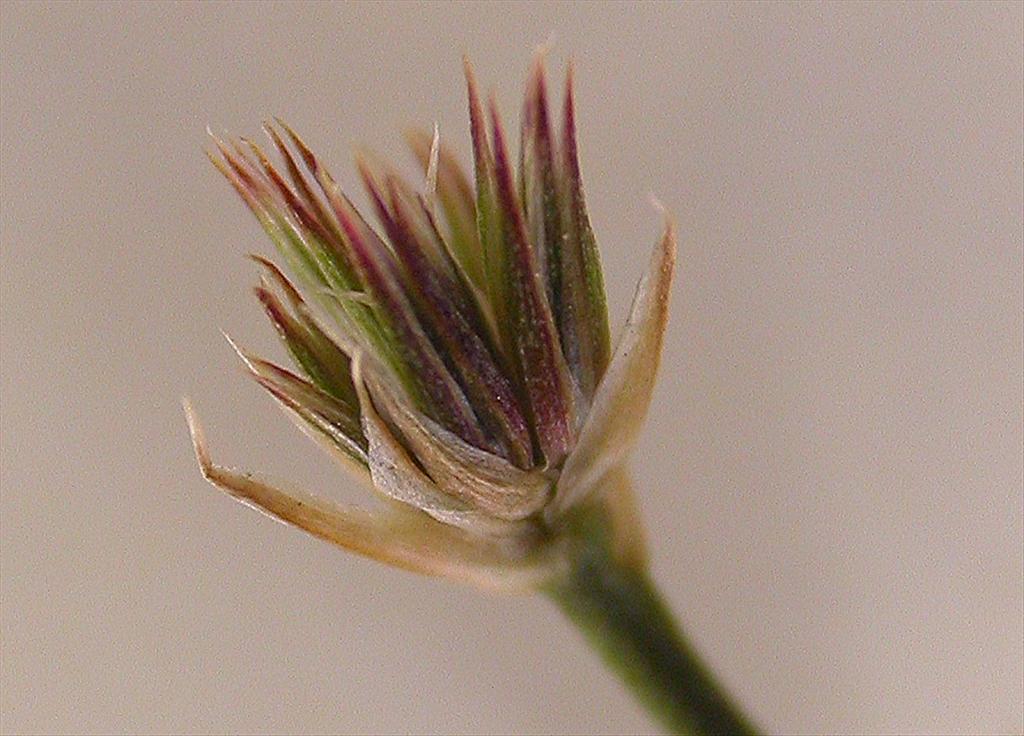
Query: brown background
{"type": "Point", "coordinates": [831, 475]}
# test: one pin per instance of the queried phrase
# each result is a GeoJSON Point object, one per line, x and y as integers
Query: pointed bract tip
{"type": "Point", "coordinates": [216, 138]}
{"type": "Point", "coordinates": [656, 203]}
{"type": "Point", "coordinates": [275, 137]}
{"type": "Point", "coordinates": [304, 151]}
{"type": "Point", "coordinates": [262, 260]}
{"type": "Point", "coordinates": [371, 166]}
{"type": "Point", "coordinates": [543, 49]}
{"type": "Point", "coordinates": [268, 127]}
{"type": "Point", "coordinates": [538, 63]}
{"type": "Point", "coordinates": [280, 280]}
{"type": "Point", "coordinates": [195, 431]}
{"type": "Point", "coordinates": [669, 223]}
{"type": "Point", "coordinates": [569, 94]}
{"type": "Point", "coordinates": [472, 87]}
{"type": "Point", "coordinates": [250, 361]}
{"type": "Point", "coordinates": [435, 150]}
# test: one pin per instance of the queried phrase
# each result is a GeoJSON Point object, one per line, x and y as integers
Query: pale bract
{"type": "Point", "coordinates": [458, 360]}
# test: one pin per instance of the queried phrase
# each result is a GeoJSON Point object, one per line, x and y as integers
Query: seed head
{"type": "Point", "coordinates": [458, 356]}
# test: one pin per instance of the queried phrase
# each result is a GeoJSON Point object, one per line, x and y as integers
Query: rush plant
{"type": "Point", "coordinates": [457, 359]}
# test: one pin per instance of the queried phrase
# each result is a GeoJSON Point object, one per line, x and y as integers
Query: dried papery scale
{"type": "Point", "coordinates": [457, 356]}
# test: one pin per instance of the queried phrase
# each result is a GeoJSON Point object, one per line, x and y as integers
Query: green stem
{"type": "Point", "coordinates": [619, 610]}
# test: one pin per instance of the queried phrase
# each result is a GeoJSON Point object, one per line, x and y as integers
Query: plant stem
{"type": "Point", "coordinates": [619, 610]}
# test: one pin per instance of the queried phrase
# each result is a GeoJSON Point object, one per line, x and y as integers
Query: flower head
{"type": "Point", "coordinates": [457, 357]}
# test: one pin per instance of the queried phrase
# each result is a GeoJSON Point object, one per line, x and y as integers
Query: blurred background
{"type": "Point", "coordinates": [831, 476]}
